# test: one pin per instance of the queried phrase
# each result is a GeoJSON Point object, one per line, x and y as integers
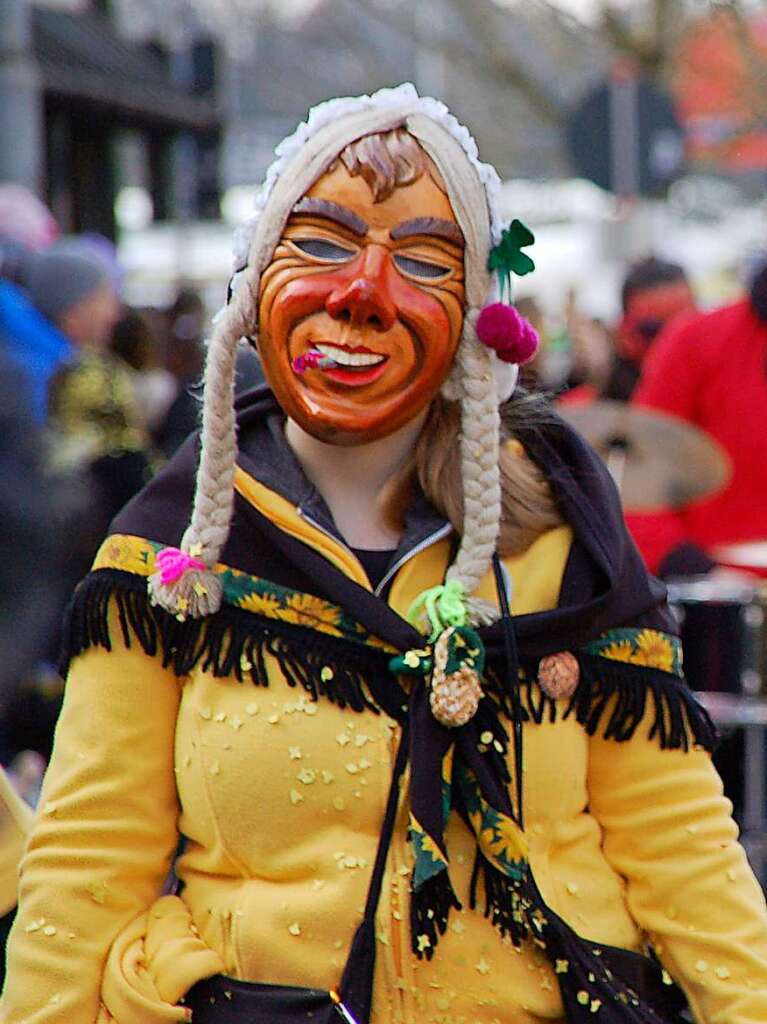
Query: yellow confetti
{"type": "Point", "coordinates": [295, 797]}
{"type": "Point", "coordinates": [49, 807]}
{"type": "Point", "coordinates": [205, 713]}
{"type": "Point", "coordinates": [49, 929]}
{"type": "Point", "coordinates": [411, 659]}
{"type": "Point", "coordinates": [307, 776]}
{"type": "Point", "coordinates": [572, 888]}
{"type": "Point", "coordinates": [33, 926]}
{"type": "Point", "coordinates": [731, 876]}
{"type": "Point", "coordinates": [595, 1004]}
{"type": "Point", "coordinates": [236, 723]}
{"type": "Point", "coordinates": [666, 978]}
{"type": "Point", "coordinates": [583, 998]}
{"type": "Point", "coordinates": [245, 663]}
{"type": "Point", "coordinates": [215, 768]}
{"type": "Point", "coordinates": [199, 589]}
{"type": "Point", "coordinates": [361, 739]}
{"type": "Point", "coordinates": [97, 891]}
{"type": "Point", "coordinates": [310, 709]}
{"type": "Point", "coordinates": [327, 777]}
{"type": "Point", "coordinates": [352, 768]}
{"type": "Point", "coordinates": [220, 716]}
{"type": "Point", "coordinates": [252, 708]}
{"type": "Point", "coordinates": [482, 967]}
{"type": "Point", "coordinates": [339, 803]}
{"type": "Point", "coordinates": [273, 719]}
{"type": "Point", "coordinates": [722, 972]}
{"type": "Point", "coordinates": [561, 966]}
{"type": "Point", "coordinates": [364, 763]}
{"type": "Point", "coordinates": [692, 829]}
{"type": "Point", "coordinates": [195, 549]}
{"type": "Point", "coordinates": [295, 753]}
{"type": "Point", "coordinates": [326, 673]}
{"type": "Point", "coordinates": [486, 737]}
{"type": "Point", "coordinates": [383, 938]}
{"type": "Point", "coordinates": [701, 965]}
{"type": "Point", "coordinates": [424, 942]}
{"type": "Point", "coordinates": [294, 928]}
{"type": "Point", "coordinates": [458, 927]}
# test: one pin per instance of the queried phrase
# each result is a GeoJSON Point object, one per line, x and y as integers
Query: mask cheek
{"type": "Point", "coordinates": [283, 307]}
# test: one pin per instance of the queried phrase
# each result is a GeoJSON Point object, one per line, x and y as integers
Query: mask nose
{"type": "Point", "coordinates": [364, 298]}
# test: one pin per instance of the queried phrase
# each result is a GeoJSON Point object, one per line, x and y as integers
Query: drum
{"type": "Point", "coordinates": [723, 635]}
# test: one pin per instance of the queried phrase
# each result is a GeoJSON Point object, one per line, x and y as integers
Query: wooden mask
{"type": "Point", "coordinates": [361, 308]}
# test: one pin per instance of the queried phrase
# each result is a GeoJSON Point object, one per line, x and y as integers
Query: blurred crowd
{"type": "Point", "coordinates": [97, 395]}
{"type": "Point", "coordinates": [94, 397]}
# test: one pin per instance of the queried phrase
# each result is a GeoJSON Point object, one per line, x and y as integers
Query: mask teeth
{"type": "Point", "coordinates": [311, 360]}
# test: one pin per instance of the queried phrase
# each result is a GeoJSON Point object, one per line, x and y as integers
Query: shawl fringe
{"type": "Point", "coordinates": [612, 699]}
{"type": "Point", "coordinates": [505, 905]}
{"type": "Point", "coordinates": [430, 906]}
{"type": "Point", "coordinates": [232, 642]}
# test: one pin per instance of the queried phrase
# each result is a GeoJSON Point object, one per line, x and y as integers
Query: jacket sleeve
{"type": "Point", "coordinates": [667, 830]}
{"type": "Point", "coordinates": [104, 836]}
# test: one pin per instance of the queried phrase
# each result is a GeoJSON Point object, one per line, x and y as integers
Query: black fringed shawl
{"type": "Point", "coordinates": [605, 590]}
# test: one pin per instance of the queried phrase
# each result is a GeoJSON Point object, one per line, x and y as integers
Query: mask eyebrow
{"type": "Point", "coordinates": [333, 211]}
{"type": "Point", "coordinates": [428, 226]}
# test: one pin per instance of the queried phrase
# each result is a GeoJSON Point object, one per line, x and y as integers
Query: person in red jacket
{"type": "Point", "coordinates": [711, 370]}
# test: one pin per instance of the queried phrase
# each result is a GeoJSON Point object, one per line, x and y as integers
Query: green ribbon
{"type": "Point", "coordinates": [507, 257]}
{"type": "Point", "coordinates": [445, 605]}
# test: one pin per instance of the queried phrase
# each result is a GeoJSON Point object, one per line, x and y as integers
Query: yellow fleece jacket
{"type": "Point", "coordinates": [281, 801]}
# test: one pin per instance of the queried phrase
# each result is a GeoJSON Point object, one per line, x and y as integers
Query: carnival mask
{"type": "Point", "coordinates": [361, 308]}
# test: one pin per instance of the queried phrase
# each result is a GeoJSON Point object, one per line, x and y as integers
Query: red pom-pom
{"type": "Point", "coordinates": [502, 328]}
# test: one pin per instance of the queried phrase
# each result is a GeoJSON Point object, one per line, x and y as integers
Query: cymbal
{"type": "Point", "coordinates": [748, 555]}
{"type": "Point", "coordinates": [658, 461]}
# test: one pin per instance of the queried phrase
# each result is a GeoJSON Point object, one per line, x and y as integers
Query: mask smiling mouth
{"type": "Point", "coordinates": [358, 358]}
{"type": "Point", "coordinates": [343, 364]}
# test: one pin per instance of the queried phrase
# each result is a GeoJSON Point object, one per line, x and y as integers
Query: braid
{"type": "Point", "coordinates": [480, 445]}
{"type": "Point", "coordinates": [197, 591]}
{"type": "Point", "coordinates": [212, 512]}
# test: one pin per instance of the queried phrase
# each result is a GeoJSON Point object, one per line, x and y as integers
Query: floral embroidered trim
{"type": "Point", "coordinates": [250, 593]}
{"type": "Point", "coordinates": [646, 647]}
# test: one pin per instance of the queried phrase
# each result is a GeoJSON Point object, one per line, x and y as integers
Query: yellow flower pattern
{"type": "Point", "coordinates": [648, 648]}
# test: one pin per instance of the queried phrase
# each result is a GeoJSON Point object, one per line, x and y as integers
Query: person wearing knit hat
{"type": "Point", "coordinates": [375, 646]}
{"type": "Point", "coordinates": [71, 284]}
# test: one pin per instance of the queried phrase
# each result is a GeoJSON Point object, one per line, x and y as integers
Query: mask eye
{"type": "Point", "coordinates": [420, 268]}
{"type": "Point", "coordinates": [321, 249]}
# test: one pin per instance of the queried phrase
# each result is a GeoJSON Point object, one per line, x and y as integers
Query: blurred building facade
{"type": "Point", "coordinates": [73, 90]}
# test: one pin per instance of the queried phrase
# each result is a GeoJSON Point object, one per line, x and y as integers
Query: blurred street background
{"type": "Point", "coordinates": [631, 138]}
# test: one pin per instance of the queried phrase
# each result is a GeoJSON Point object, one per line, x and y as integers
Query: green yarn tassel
{"type": "Point", "coordinates": [445, 605]}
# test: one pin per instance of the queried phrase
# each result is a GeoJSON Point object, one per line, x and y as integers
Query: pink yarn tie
{"type": "Point", "coordinates": [173, 563]}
